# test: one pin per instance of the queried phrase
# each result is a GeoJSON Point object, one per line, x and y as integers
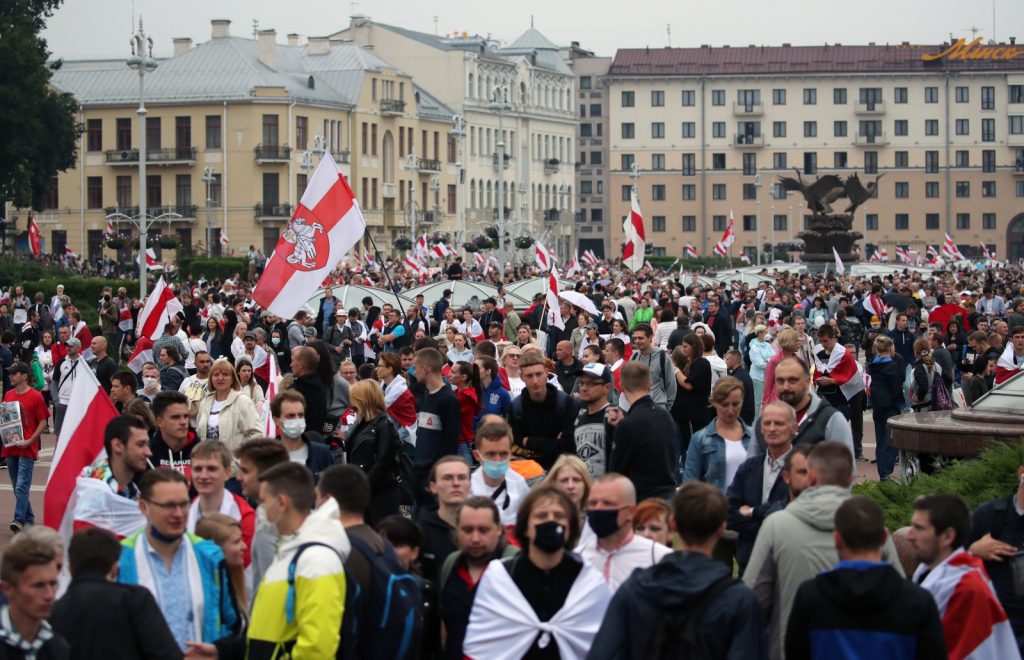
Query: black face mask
{"type": "Point", "coordinates": [604, 522]}
{"type": "Point", "coordinates": [549, 536]}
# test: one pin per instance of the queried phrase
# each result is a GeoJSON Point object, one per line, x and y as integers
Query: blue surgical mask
{"type": "Point", "coordinates": [495, 469]}
{"type": "Point", "coordinates": [275, 341]}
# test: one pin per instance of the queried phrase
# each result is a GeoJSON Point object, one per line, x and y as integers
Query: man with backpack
{"type": "Point", "coordinates": [687, 605]}
{"type": "Point", "coordinates": [542, 417]}
{"type": "Point", "coordinates": [372, 570]}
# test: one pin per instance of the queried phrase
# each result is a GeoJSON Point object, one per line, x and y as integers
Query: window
{"type": "Point", "coordinates": [902, 221]}
{"type": "Point", "coordinates": [778, 97]}
{"type": "Point", "coordinates": [657, 161]}
{"type": "Point", "coordinates": [586, 82]}
{"type": "Point", "coordinates": [596, 215]}
{"type": "Point", "coordinates": [780, 222]}
{"type": "Point", "coordinates": [988, 220]}
{"type": "Point", "coordinates": [183, 136]}
{"type": "Point", "coordinates": [301, 132]}
{"type": "Point", "coordinates": [658, 101]}
{"type": "Point", "coordinates": [689, 192]}
{"type": "Point", "coordinates": [931, 94]}
{"type": "Point", "coordinates": [963, 95]}
{"type": "Point", "coordinates": [718, 223]}
{"type": "Point", "coordinates": [870, 162]}
{"type": "Point", "coordinates": [839, 129]}
{"type": "Point", "coordinates": [689, 129]}
{"type": "Point", "coordinates": [749, 223]}
{"type": "Point", "coordinates": [718, 191]}
{"type": "Point", "coordinates": [931, 126]}
{"type": "Point", "coordinates": [718, 161]}
{"type": "Point", "coordinates": [183, 192]}
{"type": "Point", "coordinates": [718, 97]}
{"type": "Point", "coordinates": [902, 190]}
{"type": "Point", "coordinates": [586, 130]}
{"type": "Point", "coordinates": [871, 221]}
{"type": "Point", "coordinates": [988, 98]}
{"type": "Point", "coordinates": [689, 223]}
{"type": "Point", "coordinates": [931, 189]}
{"type": "Point", "coordinates": [215, 191]}
{"type": "Point", "coordinates": [963, 188]}
{"type": "Point", "coordinates": [152, 133]}
{"type": "Point", "coordinates": [900, 127]}
{"type": "Point", "coordinates": [810, 162]}
{"type": "Point", "coordinates": [658, 223]}
{"type": "Point", "coordinates": [749, 164]}
{"type": "Point", "coordinates": [899, 95]}
{"type": "Point", "coordinates": [988, 160]}
{"type": "Point", "coordinates": [749, 191]}
{"type": "Point", "coordinates": [689, 164]}
{"type": "Point", "coordinates": [628, 99]}
{"type": "Point", "coordinates": [779, 129]}
{"type": "Point", "coordinates": [213, 132]}
{"type": "Point", "coordinates": [1016, 94]}
{"type": "Point", "coordinates": [962, 158]}
{"type": "Point", "coordinates": [272, 194]}
{"type": "Point", "coordinates": [596, 158]}
{"type": "Point", "coordinates": [901, 159]}
{"type": "Point", "coordinates": [94, 131]}
{"type": "Point", "coordinates": [595, 109]}
{"type": "Point", "coordinates": [124, 192]}
{"type": "Point", "coordinates": [718, 129]}
{"type": "Point", "coordinates": [839, 96]}
{"type": "Point", "coordinates": [1020, 188]}
{"type": "Point", "coordinates": [963, 220]}
{"type": "Point", "coordinates": [963, 126]}
{"type": "Point", "coordinates": [931, 162]}
{"type": "Point", "coordinates": [658, 192]}
{"type": "Point", "coordinates": [627, 161]}
{"type": "Point", "coordinates": [583, 109]}
{"type": "Point", "coordinates": [810, 96]}
{"type": "Point", "coordinates": [154, 191]}
{"type": "Point", "coordinates": [931, 220]}
{"type": "Point", "coordinates": [628, 131]}
{"type": "Point", "coordinates": [779, 160]}
{"type": "Point", "coordinates": [586, 187]}
{"type": "Point", "coordinates": [988, 130]}
{"type": "Point", "coordinates": [657, 130]}
{"type": "Point", "coordinates": [270, 131]}
{"type": "Point", "coordinates": [94, 192]}
{"type": "Point", "coordinates": [1016, 124]}
{"type": "Point", "coordinates": [123, 129]}
{"type": "Point", "coordinates": [689, 98]}
{"type": "Point", "coordinates": [840, 160]}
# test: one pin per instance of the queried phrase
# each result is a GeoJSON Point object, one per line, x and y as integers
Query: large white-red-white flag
{"type": "Point", "coordinates": [35, 241]}
{"type": "Point", "coordinates": [161, 305]}
{"type": "Point", "coordinates": [441, 251]}
{"type": "Point", "coordinates": [274, 375]}
{"type": "Point", "coordinates": [721, 249]}
{"type": "Point", "coordinates": [690, 251]}
{"type": "Point", "coordinates": [554, 314]}
{"type": "Point", "coordinates": [574, 265]}
{"type": "Point", "coordinates": [326, 224]}
{"type": "Point", "coordinates": [950, 249]}
{"type": "Point", "coordinates": [80, 445]}
{"type": "Point", "coordinates": [636, 237]}
{"type": "Point", "coordinates": [151, 261]}
{"type": "Point", "coordinates": [729, 237]}
{"type": "Point", "coordinates": [542, 256]}
{"type": "Point", "coordinates": [591, 258]}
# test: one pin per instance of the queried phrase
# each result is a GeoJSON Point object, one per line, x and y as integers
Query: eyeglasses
{"type": "Point", "coordinates": [512, 355]}
{"type": "Point", "coordinates": [170, 506]}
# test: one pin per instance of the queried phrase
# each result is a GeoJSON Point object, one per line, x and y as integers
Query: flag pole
{"type": "Point", "coordinates": [384, 269]}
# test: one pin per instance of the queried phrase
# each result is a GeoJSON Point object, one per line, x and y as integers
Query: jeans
{"type": "Point", "coordinates": [466, 452]}
{"type": "Point", "coordinates": [884, 454]}
{"type": "Point", "coordinates": [20, 469]}
{"type": "Point", "coordinates": [758, 393]}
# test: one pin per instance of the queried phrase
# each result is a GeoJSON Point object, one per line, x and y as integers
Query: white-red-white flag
{"type": "Point", "coordinates": [224, 237]}
{"type": "Point", "coordinates": [542, 256]}
{"type": "Point", "coordinates": [574, 265]}
{"type": "Point", "coordinates": [840, 268]}
{"type": "Point", "coordinates": [636, 237]}
{"type": "Point", "coordinates": [479, 259]}
{"type": "Point", "coordinates": [885, 255]}
{"type": "Point", "coordinates": [160, 306]}
{"type": "Point", "coordinates": [421, 247]}
{"type": "Point", "coordinates": [413, 264]}
{"type": "Point", "coordinates": [985, 253]}
{"type": "Point", "coordinates": [950, 249]}
{"type": "Point", "coordinates": [554, 314]}
{"type": "Point", "coordinates": [875, 257]}
{"type": "Point", "coordinates": [745, 258]}
{"type": "Point", "coordinates": [721, 250]}
{"type": "Point", "coordinates": [690, 251]}
{"type": "Point", "coordinates": [730, 232]}
{"type": "Point", "coordinates": [326, 224]}
{"type": "Point", "coordinates": [80, 445]}
{"type": "Point", "coordinates": [371, 263]}
{"type": "Point", "coordinates": [110, 227]}
{"type": "Point", "coordinates": [35, 241]}
{"type": "Point", "coordinates": [274, 375]}
{"type": "Point", "coordinates": [69, 253]}
{"type": "Point", "coordinates": [591, 258]}
{"type": "Point", "coordinates": [903, 256]}
{"type": "Point", "coordinates": [441, 251]}
{"type": "Point", "coordinates": [142, 354]}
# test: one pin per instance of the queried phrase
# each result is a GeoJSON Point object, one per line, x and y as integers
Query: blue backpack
{"type": "Point", "coordinates": [393, 623]}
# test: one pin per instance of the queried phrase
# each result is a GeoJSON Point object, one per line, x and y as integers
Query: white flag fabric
{"type": "Point", "coordinates": [554, 315]}
{"type": "Point", "coordinates": [840, 268]}
{"type": "Point", "coordinates": [636, 237]}
{"type": "Point", "coordinates": [160, 306]}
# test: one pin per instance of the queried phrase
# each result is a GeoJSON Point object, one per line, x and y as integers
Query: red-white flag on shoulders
{"type": "Point", "coordinates": [636, 237]}
{"type": "Point", "coordinates": [326, 224]}
{"type": "Point", "coordinates": [1008, 364]}
{"type": "Point", "coordinates": [161, 305]}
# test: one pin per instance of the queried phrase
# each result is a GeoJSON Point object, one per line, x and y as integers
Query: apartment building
{"type": "Point", "coordinates": [234, 128]}
{"type": "Point", "coordinates": [710, 130]}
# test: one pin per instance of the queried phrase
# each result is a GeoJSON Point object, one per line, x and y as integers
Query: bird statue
{"type": "Point", "coordinates": [820, 194]}
{"type": "Point", "coordinates": [857, 193]}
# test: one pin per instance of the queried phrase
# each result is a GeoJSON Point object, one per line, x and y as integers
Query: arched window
{"type": "Point", "coordinates": [470, 89]}
{"type": "Point", "coordinates": [310, 83]}
{"type": "Point", "coordinates": [472, 193]}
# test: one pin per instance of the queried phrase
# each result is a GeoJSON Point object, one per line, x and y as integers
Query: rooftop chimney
{"type": "Point", "coordinates": [267, 48]}
{"type": "Point", "coordinates": [293, 39]}
{"type": "Point", "coordinates": [1013, 40]}
{"type": "Point", "coordinates": [221, 28]}
{"type": "Point", "coordinates": [318, 45]}
{"type": "Point", "coordinates": [181, 45]}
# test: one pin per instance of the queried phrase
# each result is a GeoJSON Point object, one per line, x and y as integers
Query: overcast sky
{"type": "Point", "coordinates": [101, 28]}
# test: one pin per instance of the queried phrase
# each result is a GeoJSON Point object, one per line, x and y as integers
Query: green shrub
{"type": "Point", "coordinates": [212, 268]}
{"type": "Point", "coordinates": [691, 264]}
{"type": "Point", "coordinates": [990, 476]}
{"type": "Point", "coordinates": [23, 272]}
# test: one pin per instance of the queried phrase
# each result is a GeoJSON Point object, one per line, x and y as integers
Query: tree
{"type": "Point", "coordinates": [38, 130]}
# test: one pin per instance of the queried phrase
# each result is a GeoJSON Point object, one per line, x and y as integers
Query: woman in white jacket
{"type": "Point", "coordinates": [226, 414]}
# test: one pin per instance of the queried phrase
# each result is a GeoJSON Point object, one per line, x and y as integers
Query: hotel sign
{"type": "Point", "coordinates": [961, 49]}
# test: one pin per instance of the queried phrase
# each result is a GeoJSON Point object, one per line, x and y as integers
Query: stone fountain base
{"type": "Point", "coordinates": [825, 232]}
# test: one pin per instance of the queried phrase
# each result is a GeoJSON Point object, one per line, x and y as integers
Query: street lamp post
{"type": "Point", "coordinates": [208, 179]}
{"type": "Point", "coordinates": [458, 132]}
{"type": "Point", "coordinates": [757, 217]}
{"type": "Point", "coordinates": [143, 62]}
{"type": "Point", "coordinates": [412, 164]}
{"type": "Point", "coordinates": [501, 106]}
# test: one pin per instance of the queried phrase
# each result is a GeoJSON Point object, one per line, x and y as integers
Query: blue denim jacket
{"type": "Point", "coordinates": [705, 459]}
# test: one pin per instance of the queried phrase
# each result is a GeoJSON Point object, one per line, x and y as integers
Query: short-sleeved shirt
{"type": "Point", "coordinates": [33, 412]}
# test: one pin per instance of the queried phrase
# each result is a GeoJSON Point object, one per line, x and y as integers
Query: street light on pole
{"type": "Point", "coordinates": [458, 132]}
{"type": "Point", "coordinates": [208, 179]}
{"type": "Point", "coordinates": [143, 62]}
{"type": "Point", "coordinates": [757, 217]}
{"type": "Point", "coordinates": [501, 104]}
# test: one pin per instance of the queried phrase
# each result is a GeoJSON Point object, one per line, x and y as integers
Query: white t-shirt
{"type": "Point", "coordinates": [516, 386]}
{"type": "Point", "coordinates": [735, 454]}
{"type": "Point", "coordinates": [299, 455]}
{"type": "Point", "coordinates": [616, 566]}
{"type": "Point", "coordinates": [508, 501]}
{"type": "Point", "coordinates": [213, 423]}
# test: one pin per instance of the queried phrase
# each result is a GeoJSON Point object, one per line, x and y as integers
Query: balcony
{"type": "Point", "coordinates": [272, 212]}
{"type": "Point", "coordinates": [186, 210]}
{"type": "Point", "coordinates": [748, 109]}
{"type": "Point", "coordinates": [387, 190]}
{"type": "Point", "coordinates": [551, 166]}
{"type": "Point", "coordinates": [494, 161]}
{"type": "Point", "coordinates": [552, 215]}
{"type": "Point", "coordinates": [430, 218]}
{"type": "Point", "coordinates": [870, 109]}
{"type": "Point", "coordinates": [1018, 170]}
{"type": "Point", "coordinates": [746, 140]}
{"type": "Point", "coordinates": [171, 156]}
{"type": "Point", "coordinates": [340, 156]}
{"type": "Point", "coordinates": [1015, 140]}
{"type": "Point", "coordinates": [272, 154]}
{"type": "Point", "coordinates": [392, 107]}
{"type": "Point", "coordinates": [508, 213]}
{"type": "Point", "coordinates": [428, 166]}
{"type": "Point", "coordinates": [870, 139]}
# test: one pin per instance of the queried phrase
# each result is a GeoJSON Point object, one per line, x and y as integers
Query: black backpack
{"type": "Point", "coordinates": [678, 633]}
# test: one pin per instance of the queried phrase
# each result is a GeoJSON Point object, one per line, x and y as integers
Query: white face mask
{"type": "Point", "coordinates": [293, 428]}
{"type": "Point", "coordinates": [150, 383]}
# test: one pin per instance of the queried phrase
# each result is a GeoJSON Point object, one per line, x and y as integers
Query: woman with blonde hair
{"type": "Point", "coordinates": [226, 414]}
{"type": "Point", "coordinates": [373, 445]}
{"type": "Point", "coordinates": [571, 476]}
{"type": "Point", "coordinates": [226, 532]}
{"type": "Point", "coordinates": [788, 340]}
{"type": "Point", "coordinates": [237, 343]}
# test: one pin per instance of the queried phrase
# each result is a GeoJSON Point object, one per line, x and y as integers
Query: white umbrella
{"type": "Point", "coordinates": [580, 300]}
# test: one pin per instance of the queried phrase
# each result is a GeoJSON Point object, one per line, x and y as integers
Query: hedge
{"type": "Point", "coordinates": [16, 272]}
{"type": "Point", "coordinates": [212, 268]}
{"type": "Point", "coordinates": [990, 476]}
{"type": "Point", "coordinates": [691, 264]}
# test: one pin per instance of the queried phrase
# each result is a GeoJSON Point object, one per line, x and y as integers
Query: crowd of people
{"type": "Point", "coordinates": [664, 473]}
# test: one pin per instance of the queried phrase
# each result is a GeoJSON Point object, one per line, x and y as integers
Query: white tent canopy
{"type": "Point", "coordinates": [352, 296]}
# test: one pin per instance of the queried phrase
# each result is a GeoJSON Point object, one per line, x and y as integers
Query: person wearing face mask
{"type": "Point", "coordinates": [150, 382]}
{"type": "Point", "coordinates": [493, 478]}
{"type": "Point", "coordinates": [288, 408]}
{"type": "Point", "coordinates": [546, 602]}
{"type": "Point", "coordinates": [373, 445]}
{"type": "Point", "coordinates": [617, 551]}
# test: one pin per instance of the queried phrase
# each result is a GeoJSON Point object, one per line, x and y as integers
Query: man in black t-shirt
{"type": "Point", "coordinates": [590, 433]}
{"type": "Point", "coordinates": [567, 367]}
